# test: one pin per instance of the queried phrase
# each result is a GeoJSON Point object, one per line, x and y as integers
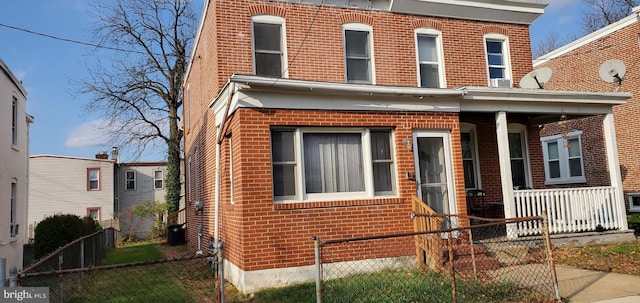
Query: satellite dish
{"type": "Point", "coordinates": [612, 71]}
{"type": "Point", "coordinates": [536, 78]}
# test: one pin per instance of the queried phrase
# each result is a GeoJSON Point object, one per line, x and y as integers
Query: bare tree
{"type": "Point", "coordinates": [605, 12]}
{"type": "Point", "coordinates": [135, 82]}
{"type": "Point", "coordinates": [551, 42]}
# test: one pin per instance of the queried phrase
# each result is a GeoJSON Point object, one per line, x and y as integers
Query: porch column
{"type": "Point", "coordinates": [614, 166]}
{"type": "Point", "coordinates": [502, 134]}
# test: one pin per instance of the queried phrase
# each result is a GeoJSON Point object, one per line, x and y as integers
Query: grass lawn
{"type": "Point", "coordinates": [136, 252]}
{"type": "Point", "coordinates": [618, 258]}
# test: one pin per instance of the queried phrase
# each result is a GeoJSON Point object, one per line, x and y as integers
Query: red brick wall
{"type": "Point", "coordinates": [578, 70]}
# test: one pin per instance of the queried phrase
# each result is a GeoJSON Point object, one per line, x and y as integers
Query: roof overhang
{"type": "Point", "coordinates": [502, 11]}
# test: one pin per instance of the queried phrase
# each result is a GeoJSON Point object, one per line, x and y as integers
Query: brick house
{"type": "Point", "coordinates": [325, 117]}
{"type": "Point", "coordinates": [576, 66]}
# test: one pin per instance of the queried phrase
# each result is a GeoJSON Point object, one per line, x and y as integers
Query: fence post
{"type": "Point", "coordinates": [316, 242]}
{"type": "Point", "coordinates": [454, 296]}
{"type": "Point", "coordinates": [552, 265]}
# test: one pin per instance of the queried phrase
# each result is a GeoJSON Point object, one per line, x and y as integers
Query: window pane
{"type": "Point", "coordinates": [158, 175]}
{"type": "Point", "coordinates": [575, 167]}
{"type": "Point", "coordinates": [131, 184]}
{"type": "Point", "coordinates": [357, 43]}
{"type": "Point", "coordinates": [93, 184]}
{"type": "Point", "coordinates": [284, 180]}
{"type": "Point", "coordinates": [469, 174]}
{"type": "Point", "coordinates": [552, 151]}
{"type": "Point", "coordinates": [515, 145]}
{"type": "Point", "coordinates": [268, 65]}
{"type": "Point", "coordinates": [382, 177]}
{"type": "Point", "coordinates": [93, 174]}
{"type": "Point", "coordinates": [554, 169]}
{"type": "Point", "coordinates": [267, 36]}
{"type": "Point", "coordinates": [494, 47]}
{"type": "Point", "coordinates": [635, 201]}
{"type": "Point", "coordinates": [380, 146]}
{"type": "Point", "coordinates": [427, 48]}
{"type": "Point", "coordinates": [496, 73]}
{"type": "Point", "coordinates": [465, 139]}
{"type": "Point", "coordinates": [429, 76]}
{"type": "Point", "coordinates": [574, 147]}
{"type": "Point", "coordinates": [495, 59]}
{"type": "Point", "coordinates": [333, 163]}
{"type": "Point", "coordinates": [282, 148]}
{"type": "Point", "coordinates": [518, 174]}
{"type": "Point", "coordinates": [358, 70]}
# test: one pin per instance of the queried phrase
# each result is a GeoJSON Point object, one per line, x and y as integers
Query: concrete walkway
{"type": "Point", "coordinates": [582, 286]}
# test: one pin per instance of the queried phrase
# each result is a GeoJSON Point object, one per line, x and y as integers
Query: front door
{"type": "Point", "coordinates": [432, 154]}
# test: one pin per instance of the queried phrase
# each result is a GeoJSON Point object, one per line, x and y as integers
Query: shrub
{"type": "Point", "coordinates": [634, 222]}
{"type": "Point", "coordinates": [60, 229]}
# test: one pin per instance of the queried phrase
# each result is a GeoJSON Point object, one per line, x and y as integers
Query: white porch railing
{"type": "Point", "coordinates": [569, 209]}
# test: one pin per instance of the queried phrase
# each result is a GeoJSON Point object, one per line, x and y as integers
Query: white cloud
{"type": "Point", "coordinates": [556, 5]}
{"type": "Point", "coordinates": [88, 134]}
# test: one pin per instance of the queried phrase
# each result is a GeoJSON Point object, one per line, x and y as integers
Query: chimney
{"type": "Point", "coordinates": [114, 154]}
{"type": "Point", "coordinates": [102, 156]}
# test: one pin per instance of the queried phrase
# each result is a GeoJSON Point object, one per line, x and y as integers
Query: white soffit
{"type": "Point", "coordinates": [503, 11]}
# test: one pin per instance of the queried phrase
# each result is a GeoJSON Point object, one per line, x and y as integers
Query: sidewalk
{"type": "Point", "coordinates": [582, 286]}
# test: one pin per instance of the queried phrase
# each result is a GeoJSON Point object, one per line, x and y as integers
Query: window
{"type": "Point", "coordinates": [158, 179]}
{"type": "Point", "coordinates": [94, 213]}
{"type": "Point", "coordinates": [130, 180]}
{"type": "Point", "coordinates": [634, 202]}
{"type": "Point", "coordinates": [563, 158]}
{"type": "Point", "coordinates": [269, 56]}
{"type": "Point", "coordinates": [187, 109]}
{"type": "Point", "coordinates": [358, 47]}
{"type": "Point", "coordinates": [13, 217]}
{"type": "Point", "coordinates": [14, 121]}
{"type": "Point", "coordinates": [321, 164]}
{"type": "Point", "coordinates": [470, 156]}
{"type": "Point", "coordinates": [231, 198]}
{"type": "Point", "coordinates": [498, 63]}
{"type": "Point", "coordinates": [429, 55]}
{"type": "Point", "coordinates": [520, 174]}
{"type": "Point", "coordinates": [93, 179]}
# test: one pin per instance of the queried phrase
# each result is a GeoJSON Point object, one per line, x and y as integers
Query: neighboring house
{"type": "Point", "coordinates": [71, 185]}
{"type": "Point", "coordinates": [576, 66]}
{"type": "Point", "coordinates": [325, 117]}
{"type": "Point", "coordinates": [14, 173]}
{"type": "Point", "coordinates": [139, 182]}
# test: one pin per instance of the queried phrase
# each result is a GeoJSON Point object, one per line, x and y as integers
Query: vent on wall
{"type": "Point", "coordinates": [501, 83]}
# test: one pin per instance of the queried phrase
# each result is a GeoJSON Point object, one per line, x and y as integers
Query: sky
{"type": "Point", "coordinates": [47, 67]}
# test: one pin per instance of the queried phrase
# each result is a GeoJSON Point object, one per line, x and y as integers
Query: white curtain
{"type": "Point", "coordinates": [333, 163]}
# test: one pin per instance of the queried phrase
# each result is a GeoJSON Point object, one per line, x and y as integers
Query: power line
{"type": "Point", "coordinates": [71, 40]}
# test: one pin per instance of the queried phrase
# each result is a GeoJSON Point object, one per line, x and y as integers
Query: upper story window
{"type": "Point", "coordinates": [130, 180]}
{"type": "Point", "coordinates": [13, 217]}
{"type": "Point", "coordinates": [498, 62]}
{"type": "Point", "coordinates": [430, 59]}
{"type": "Point", "coordinates": [358, 53]}
{"type": "Point", "coordinates": [518, 152]}
{"type": "Point", "coordinates": [269, 46]}
{"type": "Point", "coordinates": [331, 163]}
{"type": "Point", "coordinates": [93, 178]}
{"type": "Point", "coordinates": [158, 179]}
{"type": "Point", "coordinates": [470, 156]}
{"type": "Point", "coordinates": [14, 121]}
{"type": "Point", "coordinates": [563, 158]}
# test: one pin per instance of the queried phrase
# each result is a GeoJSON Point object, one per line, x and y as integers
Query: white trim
{"type": "Point", "coordinates": [506, 55]}
{"type": "Point", "coordinates": [361, 28]}
{"type": "Point", "coordinates": [126, 180]}
{"type": "Point", "coordinates": [472, 130]}
{"type": "Point", "coordinates": [563, 158]}
{"type": "Point", "coordinates": [442, 80]}
{"type": "Point", "coordinates": [609, 132]}
{"type": "Point", "coordinates": [269, 19]}
{"type": "Point", "coordinates": [154, 179]}
{"type": "Point", "coordinates": [632, 206]}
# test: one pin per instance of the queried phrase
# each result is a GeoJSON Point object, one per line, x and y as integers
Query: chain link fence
{"type": "Point", "coordinates": [482, 263]}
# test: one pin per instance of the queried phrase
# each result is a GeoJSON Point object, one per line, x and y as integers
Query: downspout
{"type": "Point", "coordinates": [216, 228]}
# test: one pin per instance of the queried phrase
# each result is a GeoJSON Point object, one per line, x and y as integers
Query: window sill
{"type": "Point", "coordinates": [15, 147]}
{"type": "Point", "coordinates": [343, 203]}
{"type": "Point", "coordinates": [565, 181]}
{"type": "Point", "coordinates": [634, 209]}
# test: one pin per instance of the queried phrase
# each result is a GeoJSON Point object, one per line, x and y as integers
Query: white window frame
{"type": "Point", "coordinates": [14, 122]}
{"type": "Point", "coordinates": [269, 19]}
{"type": "Point", "coordinates": [632, 206]}
{"type": "Point", "coordinates": [368, 193]}
{"type": "Point", "coordinates": [442, 82]}
{"type": "Point", "coordinates": [156, 179]}
{"type": "Point", "coordinates": [231, 189]}
{"type": "Point", "coordinates": [126, 180]}
{"type": "Point", "coordinates": [98, 210]}
{"type": "Point", "coordinates": [506, 53]}
{"type": "Point", "coordinates": [471, 129]}
{"type": "Point", "coordinates": [97, 179]}
{"type": "Point", "coordinates": [522, 130]}
{"type": "Point", "coordinates": [563, 154]}
{"type": "Point", "coordinates": [361, 28]}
